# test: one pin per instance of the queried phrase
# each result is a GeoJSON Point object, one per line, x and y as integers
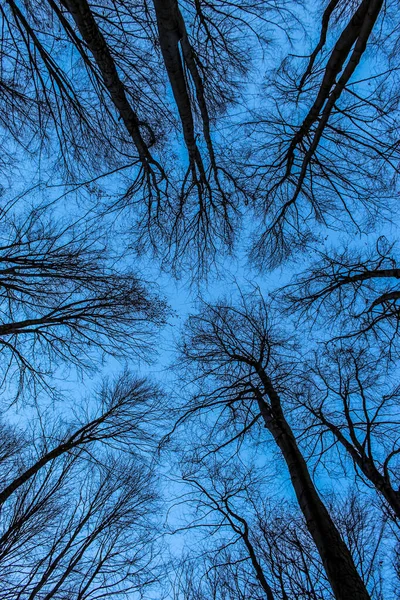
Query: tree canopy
{"type": "Point", "coordinates": [199, 300]}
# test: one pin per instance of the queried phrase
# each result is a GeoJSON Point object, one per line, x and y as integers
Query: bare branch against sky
{"type": "Point", "coordinates": [199, 300]}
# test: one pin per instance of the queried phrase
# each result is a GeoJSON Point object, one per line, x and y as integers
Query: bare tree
{"type": "Point", "coordinates": [58, 540]}
{"type": "Point", "coordinates": [214, 501]}
{"type": "Point", "coordinates": [126, 414]}
{"type": "Point", "coordinates": [253, 543]}
{"type": "Point", "coordinates": [353, 406]}
{"type": "Point", "coordinates": [76, 520]}
{"type": "Point", "coordinates": [184, 129]}
{"type": "Point", "coordinates": [322, 152]}
{"type": "Point", "coordinates": [321, 148]}
{"type": "Point", "coordinates": [63, 296]}
{"type": "Point", "coordinates": [355, 292]}
{"type": "Point", "coordinates": [105, 109]}
{"type": "Point", "coordinates": [248, 366]}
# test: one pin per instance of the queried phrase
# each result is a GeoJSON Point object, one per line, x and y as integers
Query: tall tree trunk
{"type": "Point", "coordinates": [337, 560]}
{"type": "Point", "coordinates": [93, 37]}
{"type": "Point", "coordinates": [81, 437]}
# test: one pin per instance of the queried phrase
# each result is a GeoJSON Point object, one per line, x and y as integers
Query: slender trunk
{"type": "Point", "coordinates": [33, 470]}
{"type": "Point", "coordinates": [380, 482]}
{"type": "Point", "coordinates": [244, 533]}
{"type": "Point", "coordinates": [366, 465]}
{"type": "Point", "coordinates": [93, 37]}
{"type": "Point", "coordinates": [78, 439]}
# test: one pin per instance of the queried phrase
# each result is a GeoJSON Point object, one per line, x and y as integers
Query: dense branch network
{"type": "Point", "coordinates": [172, 135]}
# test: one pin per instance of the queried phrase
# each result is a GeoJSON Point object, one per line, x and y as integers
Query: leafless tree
{"type": "Point", "coordinates": [214, 501]}
{"type": "Point", "coordinates": [126, 414]}
{"type": "Point", "coordinates": [353, 405]}
{"type": "Point", "coordinates": [355, 292]}
{"type": "Point", "coordinates": [57, 539]}
{"type": "Point", "coordinates": [178, 130]}
{"type": "Point", "coordinates": [105, 108]}
{"type": "Point", "coordinates": [63, 296]}
{"type": "Point", "coordinates": [247, 542]}
{"type": "Point", "coordinates": [246, 366]}
{"type": "Point", "coordinates": [77, 519]}
{"type": "Point", "coordinates": [323, 150]}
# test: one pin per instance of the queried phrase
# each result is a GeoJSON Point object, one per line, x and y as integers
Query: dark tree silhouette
{"type": "Point", "coordinates": [354, 405]}
{"type": "Point", "coordinates": [127, 414]}
{"type": "Point", "coordinates": [75, 519]}
{"type": "Point", "coordinates": [253, 543]}
{"type": "Point", "coordinates": [175, 136]}
{"type": "Point", "coordinates": [355, 292]}
{"type": "Point", "coordinates": [322, 150]}
{"type": "Point", "coordinates": [55, 540]}
{"type": "Point", "coordinates": [61, 297]}
{"type": "Point", "coordinates": [250, 366]}
{"type": "Point", "coordinates": [105, 109]}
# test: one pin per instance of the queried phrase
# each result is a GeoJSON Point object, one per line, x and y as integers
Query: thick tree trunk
{"type": "Point", "coordinates": [177, 53]}
{"type": "Point", "coordinates": [339, 565]}
{"type": "Point", "coordinates": [170, 31]}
